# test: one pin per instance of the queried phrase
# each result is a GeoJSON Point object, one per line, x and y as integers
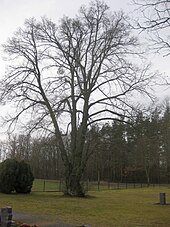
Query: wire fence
{"type": "Point", "coordinates": [43, 185]}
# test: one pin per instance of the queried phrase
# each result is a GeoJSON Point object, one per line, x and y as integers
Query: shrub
{"type": "Point", "coordinates": [8, 174]}
{"type": "Point", "coordinates": [24, 178]}
{"type": "Point", "coordinates": [15, 176]}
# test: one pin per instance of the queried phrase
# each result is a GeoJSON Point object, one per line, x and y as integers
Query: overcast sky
{"type": "Point", "coordinates": [14, 12]}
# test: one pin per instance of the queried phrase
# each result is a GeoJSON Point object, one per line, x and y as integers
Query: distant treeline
{"type": "Point", "coordinates": [133, 150]}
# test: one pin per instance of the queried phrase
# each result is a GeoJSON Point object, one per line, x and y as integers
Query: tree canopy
{"type": "Point", "coordinates": [71, 75]}
{"type": "Point", "coordinates": [154, 18]}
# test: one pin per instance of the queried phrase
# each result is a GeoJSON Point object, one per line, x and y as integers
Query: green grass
{"type": "Point", "coordinates": [54, 185]}
{"type": "Point", "coordinates": [46, 185]}
{"type": "Point", "coordinates": [129, 207]}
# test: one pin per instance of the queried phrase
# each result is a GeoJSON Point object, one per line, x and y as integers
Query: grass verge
{"type": "Point", "coordinates": [130, 207]}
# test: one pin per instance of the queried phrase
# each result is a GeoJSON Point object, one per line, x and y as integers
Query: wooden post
{"type": "Point", "coordinates": [98, 180]}
{"type": "Point", "coordinates": [44, 186]}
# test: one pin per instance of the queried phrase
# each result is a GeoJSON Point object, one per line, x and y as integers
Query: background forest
{"type": "Point", "coordinates": [134, 151]}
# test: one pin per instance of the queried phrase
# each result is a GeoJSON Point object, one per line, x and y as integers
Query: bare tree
{"type": "Point", "coordinates": [154, 17]}
{"type": "Point", "coordinates": [68, 77]}
{"type": "Point", "coordinates": [19, 147]}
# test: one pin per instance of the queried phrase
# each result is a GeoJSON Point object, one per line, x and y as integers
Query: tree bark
{"type": "Point", "coordinates": [73, 185]}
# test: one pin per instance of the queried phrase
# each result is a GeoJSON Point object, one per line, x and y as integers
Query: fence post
{"type": "Point", "coordinates": [108, 185]}
{"type": "Point", "coordinates": [44, 186]}
{"type": "Point", "coordinates": [98, 180]}
{"type": "Point", "coordinates": [60, 185]}
{"type": "Point", "coordinates": [87, 184]}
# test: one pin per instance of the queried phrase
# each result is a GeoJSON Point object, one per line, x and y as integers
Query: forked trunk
{"type": "Point", "coordinates": [74, 187]}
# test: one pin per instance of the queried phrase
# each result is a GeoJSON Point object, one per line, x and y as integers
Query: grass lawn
{"type": "Point", "coordinates": [46, 185]}
{"type": "Point", "coordinates": [128, 207]}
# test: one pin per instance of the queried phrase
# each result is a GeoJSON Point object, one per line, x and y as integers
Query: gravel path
{"type": "Point", "coordinates": [39, 220]}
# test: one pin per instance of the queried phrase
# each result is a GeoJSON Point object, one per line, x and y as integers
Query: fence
{"type": "Point", "coordinates": [53, 185]}
{"type": "Point", "coordinates": [43, 185]}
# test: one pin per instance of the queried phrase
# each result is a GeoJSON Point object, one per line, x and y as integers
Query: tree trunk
{"type": "Point", "coordinates": [74, 187]}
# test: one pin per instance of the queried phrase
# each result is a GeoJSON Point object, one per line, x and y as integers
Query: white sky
{"type": "Point", "coordinates": [14, 12]}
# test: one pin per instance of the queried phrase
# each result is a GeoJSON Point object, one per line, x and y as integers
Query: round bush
{"type": "Point", "coordinates": [8, 174]}
{"type": "Point", "coordinates": [24, 179]}
{"type": "Point", "coordinates": [15, 176]}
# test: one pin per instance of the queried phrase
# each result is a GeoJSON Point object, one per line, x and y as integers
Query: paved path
{"type": "Point", "coordinates": [39, 220]}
